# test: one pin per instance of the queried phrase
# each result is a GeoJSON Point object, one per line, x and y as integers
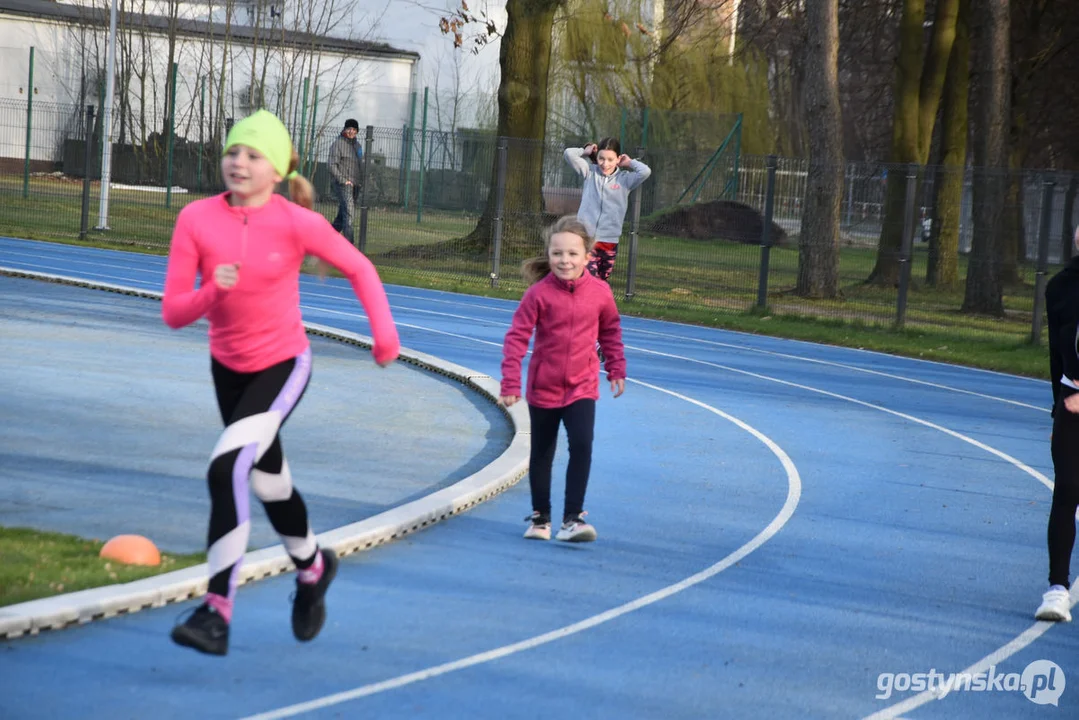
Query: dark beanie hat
{"type": "Point", "coordinates": [350, 123]}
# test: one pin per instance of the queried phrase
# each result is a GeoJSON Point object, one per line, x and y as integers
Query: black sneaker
{"type": "Point", "coordinates": [308, 607]}
{"type": "Point", "coordinates": [204, 630]}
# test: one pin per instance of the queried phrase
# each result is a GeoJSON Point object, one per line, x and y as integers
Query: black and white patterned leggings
{"type": "Point", "coordinates": [253, 407]}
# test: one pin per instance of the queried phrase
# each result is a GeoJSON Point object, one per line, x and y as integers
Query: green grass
{"type": "Point", "coordinates": [42, 564]}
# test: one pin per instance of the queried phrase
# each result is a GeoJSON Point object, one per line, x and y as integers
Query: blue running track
{"type": "Point", "coordinates": [786, 530]}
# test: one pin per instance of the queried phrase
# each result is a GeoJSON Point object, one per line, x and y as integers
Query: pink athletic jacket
{"type": "Point", "coordinates": [257, 323]}
{"type": "Point", "coordinates": [568, 317]}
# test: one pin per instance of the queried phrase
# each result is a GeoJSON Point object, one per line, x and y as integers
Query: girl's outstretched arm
{"type": "Point", "coordinates": [610, 339]}
{"type": "Point", "coordinates": [325, 243]}
{"type": "Point", "coordinates": [577, 160]}
{"type": "Point", "coordinates": [182, 304]}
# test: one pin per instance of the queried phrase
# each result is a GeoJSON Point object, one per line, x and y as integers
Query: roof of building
{"type": "Point", "coordinates": [49, 9]}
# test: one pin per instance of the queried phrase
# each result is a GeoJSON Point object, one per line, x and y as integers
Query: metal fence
{"type": "Point", "coordinates": [712, 230]}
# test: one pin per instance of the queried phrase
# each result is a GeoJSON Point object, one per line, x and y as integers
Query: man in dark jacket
{"type": "Point", "coordinates": [1062, 310]}
{"type": "Point", "coordinates": [346, 176]}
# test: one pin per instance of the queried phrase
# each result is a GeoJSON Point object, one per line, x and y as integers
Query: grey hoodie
{"type": "Point", "coordinates": [605, 198]}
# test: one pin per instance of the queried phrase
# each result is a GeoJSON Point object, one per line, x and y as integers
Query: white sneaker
{"type": "Point", "coordinates": [575, 529]}
{"type": "Point", "coordinates": [1056, 605]}
{"type": "Point", "coordinates": [539, 527]}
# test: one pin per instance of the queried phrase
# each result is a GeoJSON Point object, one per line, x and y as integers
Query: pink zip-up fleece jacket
{"type": "Point", "coordinates": [257, 323]}
{"type": "Point", "coordinates": [568, 317]}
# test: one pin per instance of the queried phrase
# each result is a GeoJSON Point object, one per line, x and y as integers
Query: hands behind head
{"type": "Point", "coordinates": [590, 148]}
{"type": "Point", "coordinates": [624, 160]}
{"type": "Point", "coordinates": [226, 276]}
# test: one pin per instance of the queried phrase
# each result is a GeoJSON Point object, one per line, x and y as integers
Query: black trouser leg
{"type": "Point", "coordinates": [580, 421]}
{"type": "Point", "coordinates": [1065, 447]}
{"type": "Point", "coordinates": [545, 423]}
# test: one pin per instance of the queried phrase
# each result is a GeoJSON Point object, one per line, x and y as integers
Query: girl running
{"type": "Point", "coordinates": [247, 246]}
{"type": "Point", "coordinates": [569, 310]}
{"type": "Point", "coordinates": [609, 178]}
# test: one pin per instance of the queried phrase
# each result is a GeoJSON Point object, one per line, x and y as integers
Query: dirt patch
{"type": "Point", "coordinates": [716, 220]}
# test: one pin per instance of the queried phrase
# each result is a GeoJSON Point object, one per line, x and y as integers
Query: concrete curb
{"type": "Point", "coordinates": [81, 607]}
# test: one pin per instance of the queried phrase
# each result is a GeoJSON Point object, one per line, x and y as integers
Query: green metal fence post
{"type": "Point", "coordinates": [423, 155]}
{"type": "Point", "coordinates": [88, 158]}
{"type": "Point", "coordinates": [29, 124]}
{"type": "Point", "coordinates": [634, 236]}
{"type": "Point", "coordinates": [368, 141]}
{"type": "Point", "coordinates": [906, 248]}
{"type": "Point", "coordinates": [202, 121]}
{"type": "Point", "coordinates": [406, 162]}
{"type": "Point", "coordinates": [172, 133]}
{"type": "Point", "coordinates": [303, 123]}
{"type": "Point", "coordinates": [311, 161]}
{"type": "Point", "coordinates": [766, 233]}
{"type": "Point", "coordinates": [1048, 190]}
{"type": "Point", "coordinates": [737, 158]}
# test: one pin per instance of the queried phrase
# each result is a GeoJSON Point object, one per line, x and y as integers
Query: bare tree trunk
{"type": "Point", "coordinates": [942, 269]}
{"type": "Point", "coordinates": [524, 59]}
{"type": "Point", "coordinates": [919, 81]}
{"type": "Point", "coordinates": [818, 245]}
{"type": "Point", "coordinates": [990, 111]}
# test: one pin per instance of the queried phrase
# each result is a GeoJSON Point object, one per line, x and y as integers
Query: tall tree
{"type": "Point", "coordinates": [942, 268]}
{"type": "Point", "coordinates": [919, 80]}
{"type": "Point", "coordinates": [524, 60]}
{"type": "Point", "coordinates": [818, 246]}
{"type": "Point", "coordinates": [990, 103]}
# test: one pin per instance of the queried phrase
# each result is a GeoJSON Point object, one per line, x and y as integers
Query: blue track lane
{"type": "Point", "coordinates": [780, 523]}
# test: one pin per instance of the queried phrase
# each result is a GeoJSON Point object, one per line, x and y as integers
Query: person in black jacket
{"type": "Point", "coordinates": [346, 176]}
{"type": "Point", "coordinates": [1062, 310]}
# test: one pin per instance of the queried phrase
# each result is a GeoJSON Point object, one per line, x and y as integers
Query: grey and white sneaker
{"type": "Point", "coordinates": [575, 529]}
{"type": "Point", "coordinates": [539, 527]}
{"type": "Point", "coordinates": [1056, 605]}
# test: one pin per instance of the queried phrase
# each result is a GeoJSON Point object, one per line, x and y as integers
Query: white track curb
{"type": "Point", "coordinates": [81, 607]}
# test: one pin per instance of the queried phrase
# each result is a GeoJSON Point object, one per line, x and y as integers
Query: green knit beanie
{"type": "Point", "coordinates": [264, 132]}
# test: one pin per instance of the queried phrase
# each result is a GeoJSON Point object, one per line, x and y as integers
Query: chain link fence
{"type": "Point", "coordinates": [712, 230]}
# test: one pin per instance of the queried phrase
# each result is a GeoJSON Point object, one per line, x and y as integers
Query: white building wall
{"type": "Point", "coordinates": [372, 89]}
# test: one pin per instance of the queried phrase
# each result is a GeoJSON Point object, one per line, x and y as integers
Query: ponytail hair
{"type": "Point", "coordinates": [302, 192]}
{"type": "Point", "coordinates": [535, 269]}
{"type": "Point", "coordinates": [300, 189]}
{"type": "Point", "coordinates": [607, 143]}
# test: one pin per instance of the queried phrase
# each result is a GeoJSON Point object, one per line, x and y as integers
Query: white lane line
{"type": "Point", "coordinates": [794, 491]}
{"type": "Point", "coordinates": [1002, 653]}
{"type": "Point", "coordinates": [733, 346]}
{"type": "Point", "coordinates": [309, 295]}
{"type": "Point", "coordinates": [78, 261]}
{"type": "Point", "coordinates": [88, 276]}
{"type": "Point", "coordinates": [862, 351]}
{"type": "Point", "coordinates": [996, 657]}
{"type": "Point", "coordinates": [674, 336]}
{"type": "Point", "coordinates": [911, 418]}
{"type": "Point", "coordinates": [1040, 408]}
{"type": "Point", "coordinates": [354, 314]}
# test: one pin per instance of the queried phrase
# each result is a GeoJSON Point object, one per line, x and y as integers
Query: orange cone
{"type": "Point", "coordinates": [131, 550]}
